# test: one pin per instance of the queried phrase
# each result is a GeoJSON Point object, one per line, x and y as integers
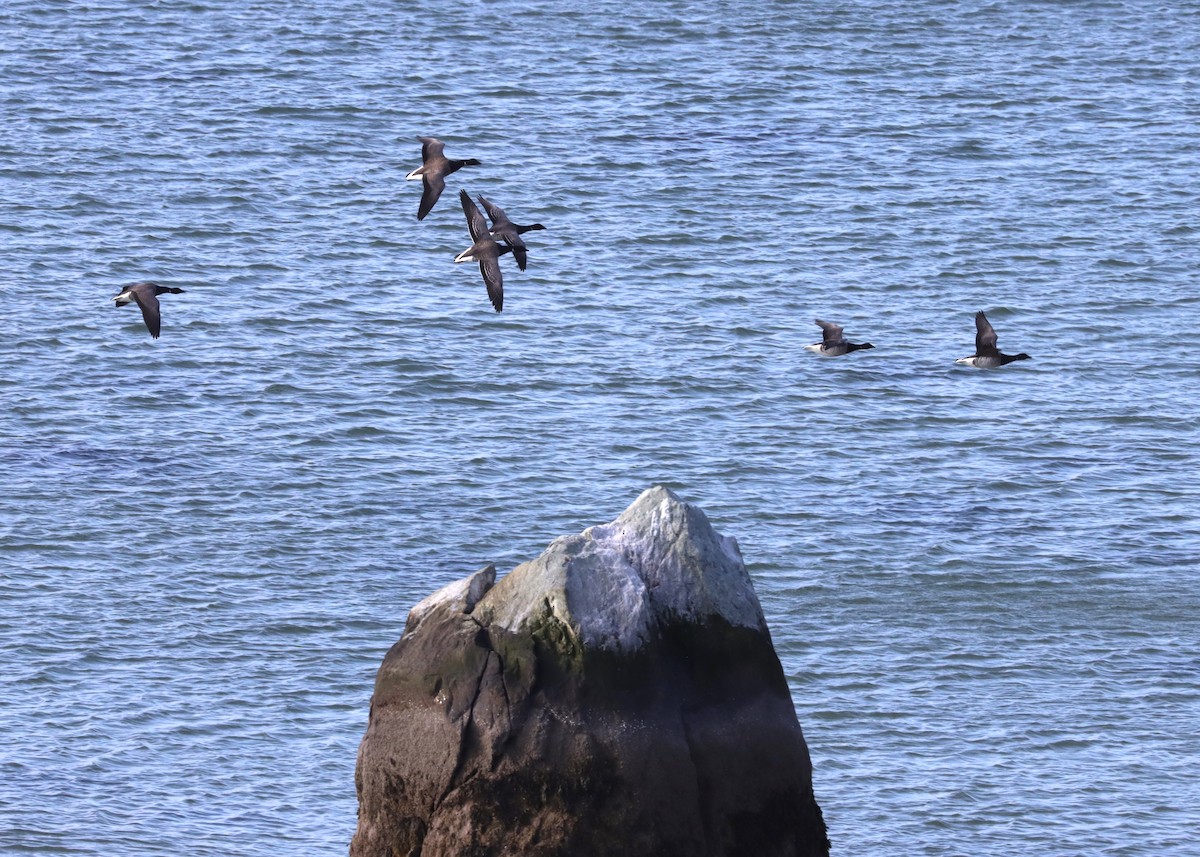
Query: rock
{"type": "Point", "coordinates": [617, 695]}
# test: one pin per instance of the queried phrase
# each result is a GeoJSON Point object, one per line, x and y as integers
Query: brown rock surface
{"type": "Point", "coordinates": [618, 695]}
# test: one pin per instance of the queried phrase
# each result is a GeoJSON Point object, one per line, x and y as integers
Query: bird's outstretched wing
{"type": "Point", "coordinates": [831, 333]}
{"type": "Point", "coordinates": [148, 303]}
{"type": "Point", "coordinates": [985, 335]}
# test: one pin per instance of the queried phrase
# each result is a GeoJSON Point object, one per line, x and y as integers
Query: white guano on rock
{"type": "Point", "coordinates": [613, 584]}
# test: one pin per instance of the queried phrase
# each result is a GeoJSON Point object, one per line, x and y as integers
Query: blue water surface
{"type": "Point", "coordinates": [981, 584]}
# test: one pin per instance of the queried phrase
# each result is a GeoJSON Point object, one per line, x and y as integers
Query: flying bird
{"type": "Point", "coordinates": [433, 171]}
{"type": "Point", "coordinates": [832, 343]}
{"type": "Point", "coordinates": [509, 232]}
{"type": "Point", "coordinates": [987, 355]}
{"type": "Point", "coordinates": [145, 295]}
{"type": "Point", "coordinates": [485, 251]}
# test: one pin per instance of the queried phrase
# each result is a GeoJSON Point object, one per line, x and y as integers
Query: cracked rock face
{"type": "Point", "coordinates": [617, 695]}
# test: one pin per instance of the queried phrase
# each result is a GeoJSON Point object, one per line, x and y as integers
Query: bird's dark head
{"type": "Point", "coordinates": [863, 345]}
{"type": "Point", "coordinates": [1022, 356]}
{"type": "Point", "coordinates": [162, 290]}
{"type": "Point", "coordinates": [536, 226]}
{"type": "Point", "coordinates": [471, 162]}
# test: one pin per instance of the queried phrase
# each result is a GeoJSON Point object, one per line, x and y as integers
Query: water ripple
{"type": "Point", "coordinates": [979, 583]}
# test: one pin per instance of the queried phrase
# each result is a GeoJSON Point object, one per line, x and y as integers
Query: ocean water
{"type": "Point", "coordinates": [982, 584]}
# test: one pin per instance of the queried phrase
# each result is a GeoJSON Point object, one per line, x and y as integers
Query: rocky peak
{"type": "Point", "coordinates": [614, 584]}
{"type": "Point", "coordinates": [617, 695]}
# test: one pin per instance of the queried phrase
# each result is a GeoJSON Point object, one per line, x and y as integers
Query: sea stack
{"type": "Point", "coordinates": [617, 695]}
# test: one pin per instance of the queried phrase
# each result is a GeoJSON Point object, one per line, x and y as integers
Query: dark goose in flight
{"type": "Point", "coordinates": [987, 355]}
{"type": "Point", "coordinates": [485, 251]}
{"type": "Point", "coordinates": [510, 233]}
{"type": "Point", "coordinates": [832, 343]}
{"type": "Point", "coordinates": [145, 295]}
{"type": "Point", "coordinates": [433, 172]}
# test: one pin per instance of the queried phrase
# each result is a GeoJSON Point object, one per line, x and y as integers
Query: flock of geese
{"type": "Point", "coordinates": [487, 250]}
{"type": "Point", "coordinates": [987, 355]}
{"type": "Point", "coordinates": [484, 249]}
